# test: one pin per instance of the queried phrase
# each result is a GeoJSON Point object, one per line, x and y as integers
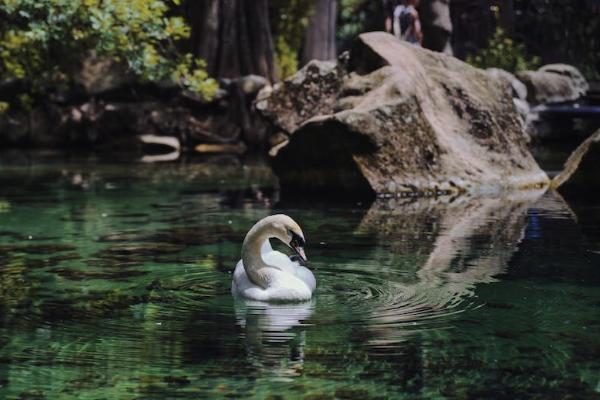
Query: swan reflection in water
{"type": "Point", "coordinates": [274, 334]}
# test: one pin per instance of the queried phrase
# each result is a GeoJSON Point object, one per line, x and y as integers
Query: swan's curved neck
{"type": "Point", "coordinates": [256, 268]}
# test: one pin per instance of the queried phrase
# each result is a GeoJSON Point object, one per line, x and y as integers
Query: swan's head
{"type": "Point", "coordinates": [288, 231]}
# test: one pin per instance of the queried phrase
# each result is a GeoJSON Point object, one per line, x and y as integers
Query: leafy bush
{"type": "Point", "coordinates": [43, 42]}
{"type": "Point", "coordinates": [503, 52]}
{"type": "Point", "coordinates": [289, 19]}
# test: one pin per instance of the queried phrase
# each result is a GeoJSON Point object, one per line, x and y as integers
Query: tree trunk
{"type": "Point", "coordinates": [507, 16]}
{"type": "Point", "coordinates": [320, 34]}
{"type": "Point", "coordinates": [437, 25]}
{"type": "Point", "coordinates": [232, 36]}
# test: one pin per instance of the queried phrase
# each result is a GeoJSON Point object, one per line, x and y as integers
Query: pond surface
{"type": "Point", "coordinates": [115, 284]}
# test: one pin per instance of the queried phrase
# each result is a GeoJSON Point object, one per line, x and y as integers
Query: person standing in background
{"type": "Point", "coordinates": [388, 12]}
{"type": "Point", "coordinates": [406, 23]}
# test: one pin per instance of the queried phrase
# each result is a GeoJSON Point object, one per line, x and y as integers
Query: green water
{"type": "Point", "coordinates": [115, 279]}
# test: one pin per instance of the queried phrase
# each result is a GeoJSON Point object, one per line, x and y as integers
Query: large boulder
{"type": "Point", "coordinates": [554, 83]}
{"type": "Point", "coordinates": [518, 88]}
{"type": "Point", "coordinates": [402, 121]}
{"type": "Point", "coordinates": [518, 92]}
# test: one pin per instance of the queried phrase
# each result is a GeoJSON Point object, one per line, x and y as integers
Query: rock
{"type": "Point", "coordinates": [237, 148]}
{"type": "Point", "coordinates": [519, 90]}
{"type": "Point", "coordinates": [277, 142]}
{"type": "Point", "coordinates": [251, 84]}
{"type": "Point", "coordinates": [101, 74]}
{"type": "Point", "coordinates": [525, 112]}
{"type": "Point", "coordinates": [577, 78]}
{"type": "Point", "coordinates": [181, 122]}
{"type": "Point", "coordinates": [168, 141]}
{"type": "Point", "coordinates": [26, 128]}
{"type": "Point", "coordinates": [580, 173]}
{"type": "Point", "coordinates": [311, 91]}
{"type": "Point", "coordinates": [14, 127]}
{"type": "Point", "coordinates": [401, 121]}
{"type": "Point", "coordinates": [277, 139]}
{"type": "Point", "coordinates": [99, 123]}
{"type": "Point", "coordinates": [554, 83]}
{"type": "Point", "coordinates": [275, 149]}
{"type": "Point", "coordinates": [164, 157]}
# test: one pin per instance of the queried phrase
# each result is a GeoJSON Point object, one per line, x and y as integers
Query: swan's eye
{"type": "Point", "coordinates": [297, 240]}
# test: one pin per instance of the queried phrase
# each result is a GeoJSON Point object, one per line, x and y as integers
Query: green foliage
{"type": "Point", "coordinates": [352, 19]}
{"type": "Point", "coordinates": [355, 17]}
{"type": "Point", "coordinates": [292, 17]}
{"type": "Point", "coordinates": [503, 52]}
{"type": "Point", "coordinates": [43, 42]}
{"type": "Point", "coordinates": [286, 58]}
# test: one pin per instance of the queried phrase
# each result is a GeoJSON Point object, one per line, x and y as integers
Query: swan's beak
{"type": "Point", "coordinates": [297, 244]}
{"type": "Point", "coordinates": [300, 251]}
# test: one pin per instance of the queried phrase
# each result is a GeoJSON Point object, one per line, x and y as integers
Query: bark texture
{"type": "Point", "coordinates": [320, 34]}
{"type": "Point", "coordinates": [437, 25]}
{"type": "Point", "coordinates": [232, 36]}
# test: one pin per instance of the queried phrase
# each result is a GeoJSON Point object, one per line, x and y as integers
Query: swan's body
{"type": "Point", "coordinates": [264, 274]}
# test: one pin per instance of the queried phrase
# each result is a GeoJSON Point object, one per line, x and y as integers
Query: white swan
{"type": "Point", "coordinates": [264, 274]}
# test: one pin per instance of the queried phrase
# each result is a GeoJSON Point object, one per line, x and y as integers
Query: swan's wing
{"type": "Point", "coordinates": [239, 276]}
{"type": "Point", "coordinates": [284, 263]}
{"type": "Point", "coordinates": [307, 277]}
{"type": "Point", "coordinates": [289, 282]}
{"type": "Point", "coordinates": [242, 286]}
{"type": "Point", "coordinates": [280, 260]}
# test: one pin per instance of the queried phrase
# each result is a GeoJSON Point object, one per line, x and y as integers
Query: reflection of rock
{"type": "Point", "coordinates": [271, 342]}
{"type": "Point", "coordinates": [496, 223]}
{"type": "Point", "coordinates": [463, 242]}
{"type": "Point", "coordinates": [560, 242]}
{"type": "Point", "coordinates": [581, 169]}
{"type": "Point", "coordinates": [405, 120]}
{"type": "Point", "coordinates": [554, 83]}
